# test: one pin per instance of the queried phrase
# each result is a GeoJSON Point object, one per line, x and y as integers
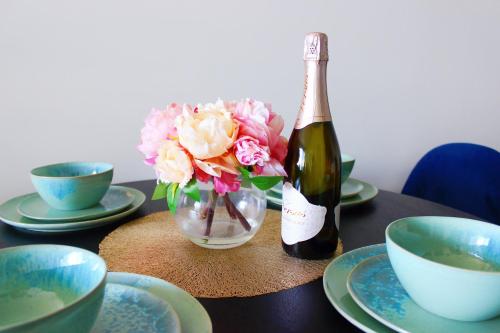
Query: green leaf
{"type": "Point", "coordinates": [173, 196]}
{"type": "Point", "coordinates": [264, 183]}
{"type": "Point", "coordinates": [191, 189]}
{"type": "Point", "coordinates": [160, 191]}
{"type": "Point", "coordinates": [245, 173]}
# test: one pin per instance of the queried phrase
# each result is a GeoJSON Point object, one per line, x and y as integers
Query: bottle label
{"type": "Point", "coordinates": [300, 220]}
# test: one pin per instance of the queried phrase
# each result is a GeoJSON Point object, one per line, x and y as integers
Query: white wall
{"type": "Point", "coordinates": [78, 77]}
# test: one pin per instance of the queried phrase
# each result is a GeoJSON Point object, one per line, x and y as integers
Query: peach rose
{"type": "Point", "coordinates": [215, 166]}
{"type": "Point", "coordinates": [207, 131]}
{"type": "Point", "coordinates": [172, 164]}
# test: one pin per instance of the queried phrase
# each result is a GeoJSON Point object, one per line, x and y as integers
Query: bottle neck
{"type": "Point", "coordinates": [314, 107]}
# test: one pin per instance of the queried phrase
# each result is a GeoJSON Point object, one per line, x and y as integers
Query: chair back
{"type": "Point", "coordinates": [464, 176]}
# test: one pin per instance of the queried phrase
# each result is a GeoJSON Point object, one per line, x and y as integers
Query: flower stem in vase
{"type": "Point", "coordinates": [229, 207]}
{"type": "Point", "coordinates": [212, 200]}
{"type": "Point", "coordinates": [232, 215]}
{"type": "Point", "coordinates": [238, 214]}
{"type": "Point", "coordinates": [204, 212]}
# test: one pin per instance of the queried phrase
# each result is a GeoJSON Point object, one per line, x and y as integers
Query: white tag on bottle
{"type": "Point", "coordinates": [300, 220]}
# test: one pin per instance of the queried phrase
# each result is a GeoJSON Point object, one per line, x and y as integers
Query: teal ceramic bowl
{"type": "Point", "coordinates": [50, 288]}
{"type": "Point", "coordinates": [347, 166]}
{"type": "Point", "coordinates": [72, 185]}
{"type": "Point", "coordinates": [449, 266]}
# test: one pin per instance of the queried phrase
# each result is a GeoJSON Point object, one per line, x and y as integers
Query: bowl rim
{"type": "Point", "coordinates": [109, 168]}
{"type": "Point", "coordinates": [348, 158]}
{"type": "Point", "coordinates": [72, 304]}
{"type": "Point", "coordinates": [388, 238]}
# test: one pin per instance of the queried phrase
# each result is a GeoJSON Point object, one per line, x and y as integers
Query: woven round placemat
{"type": "Point", "coordinates": [152, 245]}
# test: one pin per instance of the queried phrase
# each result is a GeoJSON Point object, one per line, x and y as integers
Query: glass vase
{"type": "Point", "coordinates": [221, 221]}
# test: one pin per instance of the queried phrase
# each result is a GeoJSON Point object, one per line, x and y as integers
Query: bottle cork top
{"type": "Point", "coordinates": [316, 46]}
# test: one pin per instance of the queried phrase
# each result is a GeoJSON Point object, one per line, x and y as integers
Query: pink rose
{"type": "Point", "coordinates": [227, 182]}
{"type": "Point", "coordinates": [249, 152]}
{"type": "Point", "coordinates": [259, 122]}
{"type": "Point", "coordinates": [158, 126]}
{"type": "Point", "coordinates": [254, 110]}
{"type": "Point", "coordinates": [278, 144]}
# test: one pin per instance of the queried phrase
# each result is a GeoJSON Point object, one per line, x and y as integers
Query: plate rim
{"type": "Point", "coordinates": [348, 201]}
{"type": "Point", "coordinates": [116, 277]}
{"type": "Point", "coordinates": [332, 300]}
{"type": "Point", "coordinates": [167, 304]}
{"type": "Point", "coordinates": [139, 200]}
{"type": "Point", "coordinates": [386, 322]}
{"type": "Point", "coordinates": [361, 304]}
{"type": "Point", "coordinates": [352, 201]}
{"type": "Point", "coordinates": [356, 181]}
{"type": "Point", "coordinates": [37, 196]}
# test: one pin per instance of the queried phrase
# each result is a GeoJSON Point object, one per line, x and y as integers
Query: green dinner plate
{"type": "Point", "coordinates": [334, 284]}
{"type": "Point", "coordinates": [192, 315]}
{"type": "Point", "coordinates": [374, 286]}
{"type": "Point", "coordinates": [350, 188]}
{"type": "Point", "coordinates": [129, 309]}
{"type": "Point", "coordinates": [367, 193]}
{"type": "Point", "coordinates": [116, 199]}
{"type": "Point", "coordinates": [9, 215]}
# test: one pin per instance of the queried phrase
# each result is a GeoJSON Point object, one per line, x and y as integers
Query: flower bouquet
{"type": "Point", "coordinates": [222, 154]}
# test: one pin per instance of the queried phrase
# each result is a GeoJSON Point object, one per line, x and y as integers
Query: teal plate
{"type": "Point", "coordinates": [9, 215]}
{"type": "Point", "coordinates": [374, 287]}
{"type": "Point", "coordinates": [129, 309]}
{"type": "Point", "coordinates": [116, 199]}
{"type": "Point", "coordinates": [351, 187]}
{"type": "Point", "coordinates": [334, 284]}
{"type": "Point", "coordinates": [367, 193]}
{"type": "Point", "coordinates": [192, 315]}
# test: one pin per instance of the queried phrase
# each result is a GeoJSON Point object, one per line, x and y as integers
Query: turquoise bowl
{"type": "Point", "coordinates": [347, 166]}
{"type": "Point", "coordinates": [72, 185]}
{"type": "Point", "coordinates": [50, 288]}
{"type": "Point", "coordinates": [449, 266]}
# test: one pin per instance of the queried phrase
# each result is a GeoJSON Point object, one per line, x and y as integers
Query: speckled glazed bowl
{"type": "Point", "coordinates": [72, 185]}
{"type": "Point", "coordinates": [449, 266]}
{"type": "Point", "coordinates": [50, 288]}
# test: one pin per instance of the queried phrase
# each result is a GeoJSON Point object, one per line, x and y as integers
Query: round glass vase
{"type": "Point", "coordinates": [221, 222]}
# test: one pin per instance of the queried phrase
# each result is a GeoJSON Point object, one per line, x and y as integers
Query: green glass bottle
{"type": "Point", "coordinates": [311, 191]}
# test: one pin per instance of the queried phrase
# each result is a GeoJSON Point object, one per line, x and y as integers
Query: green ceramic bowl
{"type": "Point", "coordinates": [449, 266]}
{"type": "Point", "coordinates": [347, 166]}
{"type": "Point", "coordinates": [50, 288]}
{"type": "Point", "coordinates": [72, 185]}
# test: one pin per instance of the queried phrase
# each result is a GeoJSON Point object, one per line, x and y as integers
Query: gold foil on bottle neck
{"type": "Point", "coordinates": [316, 46]}
{"type": "Point", "coordinates": [312, 113]}
{"type": "Point", "coordinates": [314, 107]}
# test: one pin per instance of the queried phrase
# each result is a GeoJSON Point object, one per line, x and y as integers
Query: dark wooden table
{"type": "Point", "coordinates": [301, 309]}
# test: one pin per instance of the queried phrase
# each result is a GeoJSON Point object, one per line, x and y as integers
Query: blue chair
{"type": "Point", "coordinates": [464, 176]}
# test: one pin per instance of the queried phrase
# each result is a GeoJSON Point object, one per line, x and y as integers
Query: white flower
{"type": "Point", "coordinates": [172, 164]}
{"type": "Point", "coordinates": [207, 131]}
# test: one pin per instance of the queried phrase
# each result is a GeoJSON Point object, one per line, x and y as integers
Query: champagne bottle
{"type": "Point", "coordinates": [311, 191]}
